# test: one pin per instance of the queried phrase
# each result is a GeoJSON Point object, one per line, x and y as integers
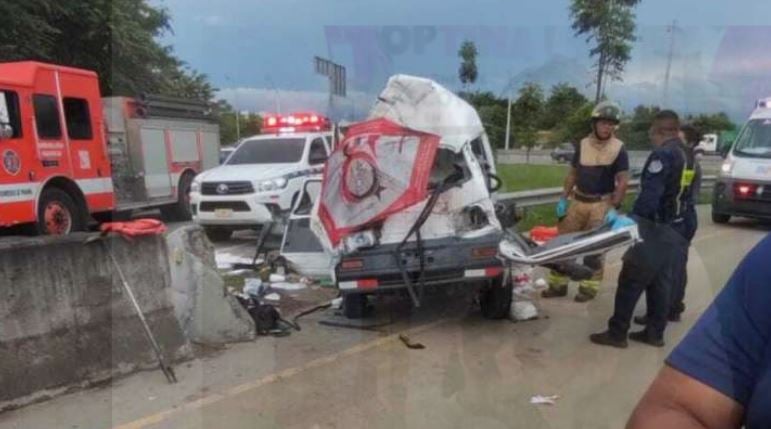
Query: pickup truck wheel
{"type": "Point", "coordinates": [180, 211]}
{"type": "Point", "coordinates": [58, 214]}
{"type": "Point", "coordinates": [354, 305]}
{"type": "Point", "coordinates": [495, 299]}
{"type": "Point", "coordinates": [720, 218]}
{"type": "Point", "coordinates": [217, 235]}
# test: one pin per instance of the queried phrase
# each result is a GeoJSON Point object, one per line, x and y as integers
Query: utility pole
{"type": "Point", "coordinates": [238, 125]}
{"type": "Point", "coordinates": [671, 30]}
{"type": "Point", "coordinates": [508, 122]}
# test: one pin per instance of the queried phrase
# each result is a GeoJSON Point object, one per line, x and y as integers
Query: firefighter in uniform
{"type": "Point", "coordinates": [649, 266]}
{"type": "Point", "coordinates": [596, 183]}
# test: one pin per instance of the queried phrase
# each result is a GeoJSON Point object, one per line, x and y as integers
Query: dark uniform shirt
{"type": "Point", "coordinates": [600, 179]}
{"type": "Point", "coordinates": [660, 183]}
{"type": "Point", "coordinates": [729, 348]}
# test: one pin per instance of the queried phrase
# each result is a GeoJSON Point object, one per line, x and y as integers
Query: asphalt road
{"type": "Point", "coordinates": [471, 373]}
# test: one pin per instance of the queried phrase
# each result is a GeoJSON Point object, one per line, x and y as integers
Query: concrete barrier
{"type": "Point", "coordinates": [65, 320]}
{"type": "Point", "coordinates": [205, 312]}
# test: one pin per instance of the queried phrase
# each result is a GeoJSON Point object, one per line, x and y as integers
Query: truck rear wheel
{"type": "Point", "coordinates": [58, 214]}
{"type": "Point", "coordinates": [720, 218]}
{"type": "Point", "coordinates": [180, 211]}
{"type": "Point", "coordinates": [495, 299]}
{"type": "Point", "coordinates": [354, 305]}
{"type": "Point", "coordinates": [217, 234]}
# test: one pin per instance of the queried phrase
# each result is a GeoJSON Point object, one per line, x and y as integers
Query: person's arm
{"type": "Point", "coordinates": [652, 186]}
{"type": "Point", "coordinates": [621, 167]}
{"type": "Point", "coordinates": [676, 400]}
{"type": "Point", "coordinates": [570, 183]}
{"type": "Point", "coordinates": [710, 379]}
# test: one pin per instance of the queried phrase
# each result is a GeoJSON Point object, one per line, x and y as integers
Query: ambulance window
{"type": "Point", "coordinates": [78, 119]}
{"type": "Point", "coordinates": [47, 117]}
{"type": "Point", "coordinates": [10, 113]}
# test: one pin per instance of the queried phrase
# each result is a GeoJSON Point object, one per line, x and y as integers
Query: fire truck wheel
{"type": "Point", "coordinates": [495, 299]}
{"type": "Point", "coordinates": [180, 211]}
{"type": "Point", "coordinates": [58, 214]}
{"type": "Point", "coordinates": [218, 234]}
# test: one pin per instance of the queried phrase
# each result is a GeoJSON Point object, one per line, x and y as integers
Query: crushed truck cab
{"type": "Point", "coordinates": [407, 202]}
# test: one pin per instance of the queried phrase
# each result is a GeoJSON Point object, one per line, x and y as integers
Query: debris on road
{"type": "Point", "coordinates": [544, 400]}
{"type": "Point", "coordinates": [273, 297]}
{"type": "Point", "coordinates": [227, 261]}
{"type": "Point", "coordinates": [410, 344]}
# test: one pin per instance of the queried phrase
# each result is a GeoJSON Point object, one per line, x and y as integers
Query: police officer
{"type": "Point", "coordinates": [648, 266]}
{"type": "Point", "coordinates": [686, 223]}
{"type": "Point", "coordinates": [596, 183]}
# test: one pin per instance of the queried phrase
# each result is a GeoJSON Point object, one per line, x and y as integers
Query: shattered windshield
{"type": "Point", "coordinates": [755, 140]}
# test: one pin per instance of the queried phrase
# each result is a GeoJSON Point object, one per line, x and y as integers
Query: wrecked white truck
{"type": "Point", "coordinates": [407, 202]}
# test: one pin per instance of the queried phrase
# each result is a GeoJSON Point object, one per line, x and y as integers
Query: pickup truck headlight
{"type": "Point", "coordinates": [273, 185]}
{"type": "Point", "coordinates": [195, 186]}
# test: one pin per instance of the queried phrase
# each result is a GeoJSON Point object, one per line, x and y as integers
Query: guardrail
{"type": "Point", "coordinates": [540, 197]}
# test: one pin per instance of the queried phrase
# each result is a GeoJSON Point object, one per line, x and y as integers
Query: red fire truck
{"type": "Point", "coordinates": [67, 155]}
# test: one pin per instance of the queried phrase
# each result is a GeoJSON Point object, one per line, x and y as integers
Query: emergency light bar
{"type": "Point", "coordinates": [296, 122]}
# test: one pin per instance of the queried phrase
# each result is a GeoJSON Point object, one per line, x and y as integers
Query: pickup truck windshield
{"type": "Point", "coordinates": [268, 151]}
{"type": "Point", "coordinates": [755, 140]}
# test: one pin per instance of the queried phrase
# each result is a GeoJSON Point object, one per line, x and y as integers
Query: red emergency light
{"type": "Point", "coordinates": [295, 123]}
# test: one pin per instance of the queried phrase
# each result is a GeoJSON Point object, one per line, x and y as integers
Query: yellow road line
{"type": "Point", "coordinates": [272, 378]}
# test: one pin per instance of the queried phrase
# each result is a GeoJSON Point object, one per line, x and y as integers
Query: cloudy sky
{"type": "Point", "coordinates": [260, 52]}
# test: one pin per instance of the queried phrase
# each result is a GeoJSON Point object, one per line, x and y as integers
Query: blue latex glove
{"type": "Point", "coordinates": [621, 222]}
{"type": "Point", "coordinates": [611, 216]}
{"type": "Point", "coordinates": [562, 208]}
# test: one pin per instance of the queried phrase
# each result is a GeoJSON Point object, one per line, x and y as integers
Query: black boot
{"type": "Point", "coordinates": [643, 320]}
{"type": "Point", "coordinates": [607, 339]}
{"type": "Point", "coordinates": [644, 337]}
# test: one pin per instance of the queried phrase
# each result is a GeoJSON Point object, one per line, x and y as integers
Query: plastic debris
{"type": "Point", "coordinates": [225, 260]}
{"type": "Point", "coordinates": [273, 297]}
{"type": "Point", "coordinates": [254, 287]}
{"type": "Point", "coordinates": [337, 303]}
{"type": "Point", "coordinates": [541, 283]}
{"type": "Point", "coordinates": [288, 286]}
{"type": "Point", "coordinates": [276, 278]}
{"type": "Point", "coordinates": [521, 311]}
{"type": "Point", "coordinates": [544, 400]}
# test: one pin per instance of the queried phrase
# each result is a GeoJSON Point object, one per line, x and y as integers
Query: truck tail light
{"type": "Point", "coordinates": [484, 252]}
{"type": "Point", "coordinates": [351, 264]}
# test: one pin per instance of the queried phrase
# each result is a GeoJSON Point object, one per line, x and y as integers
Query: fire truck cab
{"type": "Point", "coordinates": [67, 154]}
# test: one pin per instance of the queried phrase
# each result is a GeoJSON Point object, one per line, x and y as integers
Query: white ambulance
{"type": "Point", "coordinates": [743, 187]}
{"type": "Point", "coordinates": [262, 178]}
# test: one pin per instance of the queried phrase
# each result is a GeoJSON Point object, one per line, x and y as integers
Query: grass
{"type": "Point", "coordinates": [524, 177]}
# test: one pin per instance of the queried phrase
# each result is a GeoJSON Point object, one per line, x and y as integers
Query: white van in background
{"type": "Point", "coordinates": [744, 184]}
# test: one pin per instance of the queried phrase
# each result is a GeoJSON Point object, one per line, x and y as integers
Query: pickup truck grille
{"type": "Point", "coordinates": [226, 188]}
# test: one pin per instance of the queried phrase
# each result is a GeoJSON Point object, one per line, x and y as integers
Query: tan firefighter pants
{"type": "Point", "coordinates": [582, 216]}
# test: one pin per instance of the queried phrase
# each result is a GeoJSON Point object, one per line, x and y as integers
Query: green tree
{"type": "Point", "coordinates": [250, 124]}
{"type": "Point", "coordinates": [526, 114]}
{"type": "Point", "coordinates": [468, 71]}
{"type": "Point", "coordinates": [562, 102]}
{"type": "Point", "coordinates": [576, 125]}
{"type": "Point", "coordinates": [634, 132]}
{"type": "Point", "coordinates": [712, 123]}
{"type": "Point", "coordinates": [118, 39]}
{"type": "Point", "coordinates": [609, 26]}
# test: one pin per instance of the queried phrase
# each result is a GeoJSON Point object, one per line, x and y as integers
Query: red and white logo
{"type": "Point", "coordinates": [11, 162]}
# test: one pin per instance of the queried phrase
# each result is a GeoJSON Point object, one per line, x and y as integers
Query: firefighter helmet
{"type": "Point", "coordinates": [607, 110]}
